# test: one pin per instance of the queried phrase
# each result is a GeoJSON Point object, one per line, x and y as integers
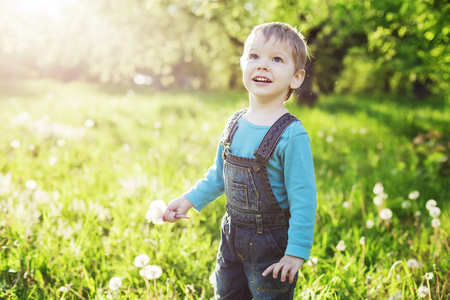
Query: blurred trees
{"type": "Point", "coordinates": [357, 45]}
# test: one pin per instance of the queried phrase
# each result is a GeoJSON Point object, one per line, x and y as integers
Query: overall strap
{"type": "Point", "coordinates": [231, 128]}
{"type": "Point", "coordinates": [272, 137]}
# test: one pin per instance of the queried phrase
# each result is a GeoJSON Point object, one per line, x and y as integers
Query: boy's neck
{"type": "Point", "coordinates": [265, 114]}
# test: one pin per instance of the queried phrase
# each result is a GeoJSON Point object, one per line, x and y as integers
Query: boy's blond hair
{"type": "Point", "coordinates": [283, 33]}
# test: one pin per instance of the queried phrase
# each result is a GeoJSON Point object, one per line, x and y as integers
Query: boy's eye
{"type": "Point", "coordinates": [277, 59]}
{"type": "Point", "coordinates": [253, 56]}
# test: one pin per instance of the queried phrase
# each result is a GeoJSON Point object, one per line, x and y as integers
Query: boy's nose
{"type": "Point", "coordinates": [262, 69]}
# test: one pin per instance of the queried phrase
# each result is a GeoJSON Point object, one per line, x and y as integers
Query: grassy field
{"type": "Point", "coordinates": [80, 164]}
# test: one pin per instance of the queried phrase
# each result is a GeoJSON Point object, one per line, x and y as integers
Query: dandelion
{"type": "Point", "coordinates": [314, 260]}
{"type": "Point", "coordinates": [15, 144]}
{"type": "Point", "coordinates": [63, 289]}
{"type": "Point", "coordinates": [151, 272]}
{"type": "Point", "coordinates": [340, 246]}
{"type": "Point", "coordinates": [89, 123]}
{"type": "Point", "coordinates": [362, 240]}
{"type": "Point", "coordinates": [53, 160]}
{"type": "Point", "coordinates": [345, 204]}
{"type": "Point", "coordinates": [370, 223]}
{"type": "Point", "coordinates": [414, 195]}
{"type": "Point", "coordinates": [435, 223]}
{"type": "Point", "coordinates": [412, 263]}
{"type": "Point", "coordinates": [61, 142]}
{"type": "Point", "coordinates": [428, 276]}
{"type": "Point", "coordinates": [155, 212]}
{"type": "Point", "coordinates": [189, 289]}
{"type": "Point", "coordinates": [115, 283]}
{"type": "Point", "coordinates": [435, 212]}
{"type": "Point", "coordinates": [378, 188]}
{"type": "Point", "coordinates": [430, 204]}
{"type": "Point", "coordinates": [406, 204]}
{"type": "Point", "coordinates": [141, 260]}
{"type": "Point", "coordinates": [386, 214]}
{"type": "Point", "coordinates": [31, 185]}
{"type": "Point", "coordinates": [422, 292]}
{"type": "Point", "coordinates": [378, 200]}
{"type": "Point", "coordinates": [417, 213]}
{"type": "Point", "coordinates": [329, 139]}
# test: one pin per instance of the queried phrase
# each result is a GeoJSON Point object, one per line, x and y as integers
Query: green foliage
{"type": "Point", "coordinates": [79, 165]}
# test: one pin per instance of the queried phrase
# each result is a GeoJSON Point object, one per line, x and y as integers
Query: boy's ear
{"type": "Point", "coordinates": [297, 79]}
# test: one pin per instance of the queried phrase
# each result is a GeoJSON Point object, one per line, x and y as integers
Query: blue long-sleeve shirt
{"type": "Point", "coordinates": [291, 174]}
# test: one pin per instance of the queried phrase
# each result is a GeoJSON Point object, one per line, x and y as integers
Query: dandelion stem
{"type": "Point", "coordinates": [429, 290]}
{"type": "Point", "coordinates": [148, 288]}
{"type": "Point", "coordinates": [437, 280]}
{"type": "Point", "coordinates": [156, 289]}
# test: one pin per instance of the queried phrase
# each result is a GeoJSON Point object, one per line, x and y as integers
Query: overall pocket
{"type": "Point", "coordinates": [240, 187]}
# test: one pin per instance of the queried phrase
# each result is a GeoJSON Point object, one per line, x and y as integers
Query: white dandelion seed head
{"type": "Point", "coordinates": [141, 260]}
{"type": "Point", "coordinates": [189, 289]}
{"type": "Point", "coordinates": [15, 144]}
{"type": "Point", "coordinates": [428, 276]}
{"type": "Point", "coordinates": [431, 203]}
{"type": "Point", "coordinates": [340, 246]}
{"type": "Point", "coordinates": [386, 214]}
{"type": "Point", "coordinates": [370, 223]}
{"type": "Point", "coordinates": [378, 188]}
{"type": "Point", "coordinates": [418, 213]}
{"type": "Point", "coordinates": [329, 139]}
{"type": "Point", "coordinates": [378, 200]}
{"type": "Point", "coordinates": [115, 283]}
{"type": "Point", "coordinates": [151, 272]}
{"type": "Point", "coordinates": [412, 263]}
{"type": "Point", "coordinates": [314, 260]}
{"type": "Point", "coordinates": [31, 185]}
{"type": "Point", "coordinates": [435, 212]}
{"type": "Point", "coordinates": [406, 204]}
{"type": "Point", "coordinates": [345, 204]}
{"type": "Point", "coordinates": [156, 211]}
{"type": "Point", "coordinates": [435, 223]}
{"type": "Point", "coordinates": [414, 195]}
{"type": "Point", "coordinates": [89, 123]}
{"type": "Point", "coordinates": [63, 289]}
{"type": "Point", "coordinates": [422, 292]}
{"type": "Point", "coordinates": [362, 241]}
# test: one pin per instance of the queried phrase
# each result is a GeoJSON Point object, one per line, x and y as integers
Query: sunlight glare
{"type": "Point", "coordinates": [51, 8]}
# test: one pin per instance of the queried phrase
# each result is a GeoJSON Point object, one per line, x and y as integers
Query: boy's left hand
{"type": "Point", "coordinates": [288, 265]}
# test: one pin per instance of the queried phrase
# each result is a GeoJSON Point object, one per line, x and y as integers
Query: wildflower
{"type": "Point", "coordinates": [412, 263]}
{"type": "Point", "coordinates": [31, 184]}
{"type": "Point", "coordinates": [115, 283]}
{"type": "Point", "coordinates": [151, 272]}
{"type": "Point", "coordinates": [155, 212]}
{"type": "Point", "coordinates": [369, 224]}
{"type": "Point", "coordinates": [406, 204]}
{"type": "Point", "coordinates": [417, 213]}
{"type": "Point", "coordinates": [345, 204]}
{"type": "Point", "coordinates": [141, 260]}
{"type": "Point", "coordinates": [435, 223]}
{"type": "Point", "coordinates": [61, 142]}
{"type": "Point", "coordinates": [362, 241]}
{"type": "Point", "coordinates": [428, 276]}
{"type": "Point", "coordinates": [422, 291]}
{"type": "Point", "coordinates": [431, 203]}
{"type": "Point", "coordinates": [63, 289]}
{"type": "Point", "coordinates": [340, 246]}
{"type": "Point", "coordinates": [435, 212]}
{"type": "Point", "coordinates": [329, 139]}
{"type": "Point", "coordinates": [315, 260]}
{"type": "Point", "coordinates": [413, 195]}
{"type": "Point", "coordinates": [189, 289]}
{"type": "Point", "coordinates": [378, 188]}
{"type": "Point", "coordinates": [378, 200]}
{"type": "Point", "coordinates": [89, 123]}
{"type": "Point", "coordinates": [15, 144]}
{"type": "Point", "coordinates": [386, 214]}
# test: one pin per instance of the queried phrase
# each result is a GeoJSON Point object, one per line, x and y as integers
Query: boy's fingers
{"type": "Point", "coordinates": [268, 270]}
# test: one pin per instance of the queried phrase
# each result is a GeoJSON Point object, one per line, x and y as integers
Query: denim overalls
{"type": "Point", "coordinates": [254, 229]}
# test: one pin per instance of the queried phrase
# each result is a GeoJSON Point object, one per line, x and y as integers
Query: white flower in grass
{"type": "Point", "coordinates": [63, 289]}
{"type": "Point", "coordinates": [412, 263]}
{"type": "Point", "coordinates": [340, 246]}
{"type": "Point", "coordinates": [15, 144]}
{"type": "Point", "coordinates": [386, 214]}
{"type": "Point", "coordinates": [435, 212]}
{"type": "Point", "coordinates": [31, 185]}
{"type": "Point", "coordinates": [189, 289]}
{"type": "Point", "coordinates": [141, 260]}
{"type": "Point", "coordinates": [406, 204]}
{"type": "Point", "coordinates": [378, 188]}
{"type": "Point", "coordinates": [418, 213]}
{"type": "Point", "coordinates": [151, 272]}
{"type": "Point", "coordinates": [435, 223]}
{"type": "Point", "coordinates": [414, 195]}
{"type": "Point", "coordinates": [155, 212]}
{"type": "Point", "coordinates": [115, 283]}
{"type": "Point", "coordinates": [422, 292]}
{"type": "Point", "coordinates": [428, 276]}
{"type": "Point", "coordinates": [431, 203]}
{"type": "Point", "coordinates": [362, 240]}
{"type": "Point", "coordinates": [378, 200]}
{"type": "Point", "coordinates": [314, 260]}
{"type": "Point", "coordinates": [369, 223]}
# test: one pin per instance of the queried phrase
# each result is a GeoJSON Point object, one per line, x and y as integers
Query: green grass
{"type": "Point", "coordinates": [84, 220]}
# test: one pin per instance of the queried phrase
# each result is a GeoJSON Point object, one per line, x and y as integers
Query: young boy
{"type": "Point", "coordinates": [265, 167]}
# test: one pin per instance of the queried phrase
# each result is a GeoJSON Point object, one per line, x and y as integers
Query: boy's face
{"type": "Point", "coordinates": [268, 69]}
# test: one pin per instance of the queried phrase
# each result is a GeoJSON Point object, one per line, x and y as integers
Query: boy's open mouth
{"type": "Point", "coordinates": [261, 79]}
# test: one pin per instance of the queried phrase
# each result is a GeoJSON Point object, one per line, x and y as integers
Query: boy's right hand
{"type": "Point", "coordinates": [177, 209]}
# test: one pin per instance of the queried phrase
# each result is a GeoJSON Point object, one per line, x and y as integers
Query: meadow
{"type": "Point", "coordinates": [81, 163]}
